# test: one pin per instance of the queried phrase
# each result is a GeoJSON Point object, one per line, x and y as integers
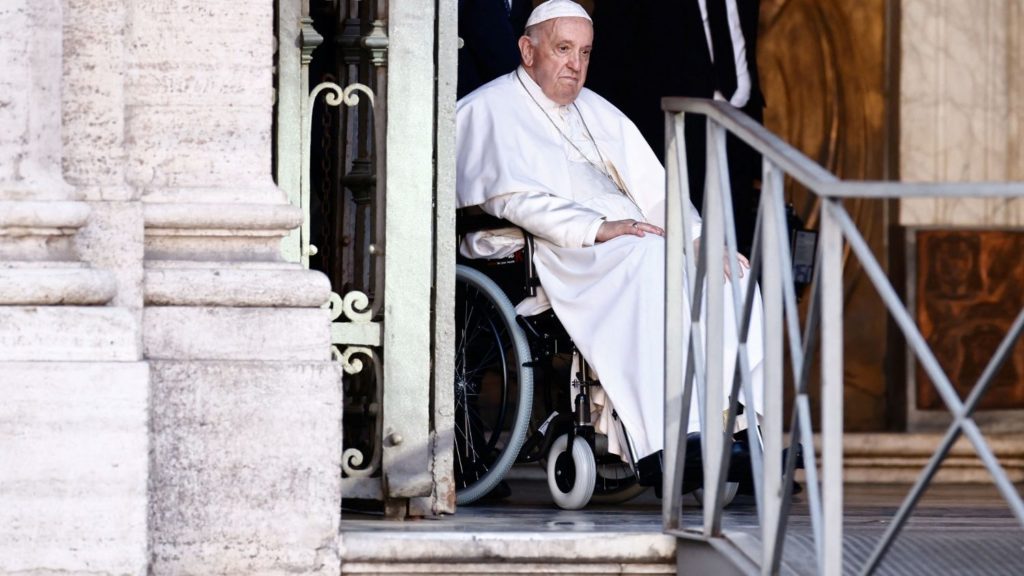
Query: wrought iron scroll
{"type": "Point", "coordinates": [355, 307]}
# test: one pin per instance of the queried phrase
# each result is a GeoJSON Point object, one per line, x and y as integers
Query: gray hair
{"type": "Point", "coordinates": [533, 33]}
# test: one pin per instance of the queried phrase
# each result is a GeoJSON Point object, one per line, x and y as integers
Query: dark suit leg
{"type": "Point", "coordinates": [695, 134]}
{"type": "Point", "coordinates": [744, 172]}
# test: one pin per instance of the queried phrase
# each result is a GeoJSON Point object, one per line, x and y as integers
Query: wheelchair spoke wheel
{"type": "Point", "coordinates": [493, 388]}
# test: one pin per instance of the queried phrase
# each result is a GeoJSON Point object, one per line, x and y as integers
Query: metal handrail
{"type": "Point", "coordinates": [686, 274]}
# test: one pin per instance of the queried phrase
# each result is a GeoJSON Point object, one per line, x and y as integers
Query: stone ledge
{"type": "Point", "coordinates": [63, 283]}
{"type": "Point", "coordinates": [53, 214]}
{"type": "Point", "coordinates": [506, 547]}
{"type": "Point", "coordinates": [291, 287]}
{"type": "Point", "coordinates": [573, 568]}
{"type": "Point", "coordinates": [67, 334]}
{"type": "Point", "coordinates": [194, 216]}
{"type": "Point", "coordinates": [216, 333]}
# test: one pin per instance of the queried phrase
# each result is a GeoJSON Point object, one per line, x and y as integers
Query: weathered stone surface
{"type": "Point", "coordinates": [54, 334]}
{"type": "Point", "coordinates": [93, 104]}
{"type": "Point", "coordinates": [71, 284]}
{"type": "Point", "coordinates": [30, 48]}
{"type": "Point", "coordinates": [215, 333]}
{"type": "Point", "coordinates": [245, 468]}
{"type": "Point", "coordinates": [287, 285]}
{"type": "Point", "coordinates": [73, 467]}
{"type": "Point", "coordinates": [113, 241]}
{"type": "Point", "coordinates": [242, 232]}
{"type": "Point", "coordinates": [513, 547]}
{"type": "Point", "coordinates": [212, 64]}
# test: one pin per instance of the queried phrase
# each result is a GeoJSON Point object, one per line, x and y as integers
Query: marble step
{"type": "Point", "coordinates": [503, 552]}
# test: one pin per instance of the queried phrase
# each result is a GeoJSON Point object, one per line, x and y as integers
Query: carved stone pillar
{"type": "Point", "coordinates": [246, 419]}
{"type": "Point", "coordinates": [73, 430]}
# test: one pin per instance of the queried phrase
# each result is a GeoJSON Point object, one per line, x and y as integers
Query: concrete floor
{"type": "Point", "coordinates": [956, 529]}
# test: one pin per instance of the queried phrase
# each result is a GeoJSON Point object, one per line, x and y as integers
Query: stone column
{"type": "Point", "coordinates": [73, 431]}
{"type": "Point", "coordinates": [246, 417]}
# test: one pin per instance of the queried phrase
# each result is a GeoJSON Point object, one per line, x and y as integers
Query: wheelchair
{"type": "Point", "coordinates": [511, 402]}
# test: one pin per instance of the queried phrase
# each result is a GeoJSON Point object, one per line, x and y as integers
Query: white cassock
{"type": "Point", "coordinates": [556, 171]}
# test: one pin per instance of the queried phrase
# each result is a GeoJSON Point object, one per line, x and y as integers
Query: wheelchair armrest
{"type": "Point", "coordinates": [473, 219]}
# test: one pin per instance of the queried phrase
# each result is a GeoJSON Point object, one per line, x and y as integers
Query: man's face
{"type": "Point", "coordinates": [558, 63]}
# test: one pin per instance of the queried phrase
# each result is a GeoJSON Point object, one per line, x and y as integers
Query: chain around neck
{"type": "Point", "coordinates": [602, 169]}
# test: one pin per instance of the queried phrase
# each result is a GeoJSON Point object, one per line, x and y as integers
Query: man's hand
{"type": "Point", "coordinates": [614, 228]}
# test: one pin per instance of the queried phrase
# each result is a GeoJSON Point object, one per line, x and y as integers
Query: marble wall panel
{"type": "Point", "coordinates": [960, 106]}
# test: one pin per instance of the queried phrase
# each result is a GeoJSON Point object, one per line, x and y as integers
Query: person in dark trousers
{"type": "Point", "coordinates": [648, 49]}
{"type": "Point", "coordinates": [490, 30]}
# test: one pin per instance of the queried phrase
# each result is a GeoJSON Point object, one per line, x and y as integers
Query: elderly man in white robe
{"type": "Point", "coordinates": [540, 151]}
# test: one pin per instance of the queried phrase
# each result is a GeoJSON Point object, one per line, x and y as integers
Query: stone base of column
{"type": "Point", "coordinates": [67, 334]}
{"type": "Point", "coordinates": [246, 467]}
{"type": "Point", "coordinates": [73, 484]}
{"type": "Point", "coordinates": [216, 333]}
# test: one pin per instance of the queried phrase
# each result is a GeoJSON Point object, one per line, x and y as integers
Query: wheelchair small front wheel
{"type": "Point", "coordinates": [572, 474]}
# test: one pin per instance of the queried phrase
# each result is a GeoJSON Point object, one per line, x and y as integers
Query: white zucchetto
{"type": "Point", "coordinates": [556, 9]}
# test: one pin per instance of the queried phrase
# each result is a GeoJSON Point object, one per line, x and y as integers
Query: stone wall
{"type": "Point", "coordinates": [168, 393]}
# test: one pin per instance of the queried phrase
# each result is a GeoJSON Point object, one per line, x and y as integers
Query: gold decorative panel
{"type": "Point", "coordinates": [969, 291]}
{"type": "Point", "coordinates": [823, 69]}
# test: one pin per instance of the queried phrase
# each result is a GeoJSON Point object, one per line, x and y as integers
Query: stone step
{"type": "Point", "coordinates": [470, 553]}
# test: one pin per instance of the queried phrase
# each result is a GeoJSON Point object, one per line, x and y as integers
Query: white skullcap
{"type": "Point", "coordinates": [556, 9]}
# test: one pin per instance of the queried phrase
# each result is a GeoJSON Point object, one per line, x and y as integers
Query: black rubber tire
{"type": "Point", "coordinates": [483, 455]}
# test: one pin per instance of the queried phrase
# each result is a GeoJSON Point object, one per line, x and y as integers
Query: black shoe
{"type": "Point", "coordinates": [693, 470]}
{"type": "Point", "coordinates": [741, 471]}
{"type": "Point", "coordinates": [649, 471]}
{"type": "Point", "coordinates": [650, 468]}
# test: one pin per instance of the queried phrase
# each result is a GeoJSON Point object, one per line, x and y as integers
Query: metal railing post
{"type": "Point", "coordinates": [832, 389]}
{"type": "Point", "coordinates": [771, 428]}
{"type": "Point", "coordinates": [713, 250]}
{"type": "Point", "coordinates": [703, 339]}
{"type": "Point", "coordinates": [677, 403]}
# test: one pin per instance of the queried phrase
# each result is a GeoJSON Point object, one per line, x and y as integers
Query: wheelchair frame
{"type": "Point", "coordinates": [568, 442]}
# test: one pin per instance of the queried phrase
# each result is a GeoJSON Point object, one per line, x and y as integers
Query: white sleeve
{"type": "Point", "coordinates": [557, 220]}
{"type": "Point", "coordinates": [696, 225]}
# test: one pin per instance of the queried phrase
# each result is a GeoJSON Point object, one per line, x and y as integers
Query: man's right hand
{"type": "Point", "coordinates": [614, 228]}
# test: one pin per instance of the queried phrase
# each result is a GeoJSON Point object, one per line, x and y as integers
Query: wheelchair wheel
{"type": "Point", "coordinates": [493, 388]}
{"type": "Point", "coordinates": [571, 473]}
{"type": "Point", "coordinates": [616, 483]}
